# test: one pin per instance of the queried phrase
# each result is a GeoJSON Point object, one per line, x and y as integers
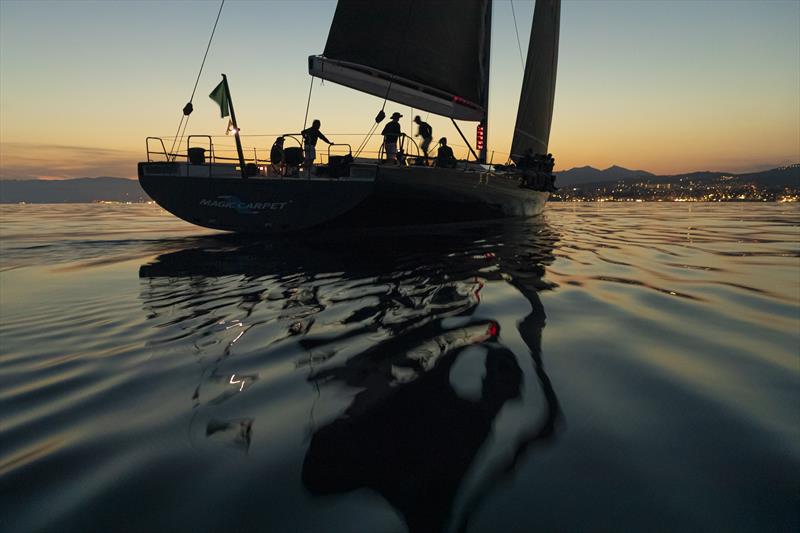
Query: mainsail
{"type": "Point", "coordinates": [535, 113]}
{"type": "Point", "coordinates": [431, 56]}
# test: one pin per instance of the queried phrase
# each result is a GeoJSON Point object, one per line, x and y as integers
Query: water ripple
{"type": "Point", "coordinates": [597, 368]}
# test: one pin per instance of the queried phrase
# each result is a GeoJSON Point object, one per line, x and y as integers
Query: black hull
{"type": "Point", "coordinates": [414, 196]}
{"type": "Point", "coordinates": [381, 197]}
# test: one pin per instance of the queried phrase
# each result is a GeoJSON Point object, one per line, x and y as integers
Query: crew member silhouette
{"type": "Point", "coordinates": [391, 133]}
{"type": "Point", "coordinates": [426, 133]}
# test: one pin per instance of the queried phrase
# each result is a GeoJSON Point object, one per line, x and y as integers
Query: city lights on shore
{"type": "Point", "coordinates": [724, 189]}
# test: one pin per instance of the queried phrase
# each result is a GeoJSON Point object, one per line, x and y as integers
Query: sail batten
{"type": "Point", "coordinates": [535, 113]}
{"type": "Point", "coordinates": [418, 53]}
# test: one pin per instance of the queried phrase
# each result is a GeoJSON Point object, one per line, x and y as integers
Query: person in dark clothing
{"type": "Point", "coordinates": [276, 156]}
{"type": "Point", "coordinates": [527, 161]}
{"type": "Point", "coordinates": [445, 157]}
{"type": "Point", "coordinates": [310, 137]}
{"type": "Point", "coordinates": [426, 133]}
{"type": "Point", "coordinates": [391, 133]}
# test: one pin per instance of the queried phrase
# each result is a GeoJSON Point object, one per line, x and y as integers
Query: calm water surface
{"type": "Point", "coordinates": [600, 368]}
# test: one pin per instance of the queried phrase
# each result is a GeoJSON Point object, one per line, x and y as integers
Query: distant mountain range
{"type": "Point", "coordinates": [74, 191]}
{"type": "Point", "coordinates": [87, 190]}
{"type": "Point", "coordinates": [587, 174]}
{"type": "Point", "coordinates": [788, 176]}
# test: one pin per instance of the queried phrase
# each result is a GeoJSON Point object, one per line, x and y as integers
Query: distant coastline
{"type": "Point", "coordinates": [71, 191]}
{"type": "Point", "coordinates": [617, 184]}
{"type": "Point", "coordinates": [614, 184]}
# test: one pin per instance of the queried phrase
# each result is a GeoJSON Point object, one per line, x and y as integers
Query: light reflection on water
{"type": "Point", "coordinates": [604, 367]}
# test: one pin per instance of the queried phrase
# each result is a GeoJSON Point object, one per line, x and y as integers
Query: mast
{"type": "Point", "coordinates": [235, 127]}
{"type": "Point", "coordinates": [535, 113]}
{"type": "Point", "coordinates": [483, 126]}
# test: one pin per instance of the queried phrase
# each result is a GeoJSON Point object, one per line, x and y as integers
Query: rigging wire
{"type": "Point", "coordinates": [187, 110]}
{"type": "Point", "coordinates": [381, 114]}
{"type": "Point", "coordinates": [182, 134]}
{"type": "Point", "coordinates": [516, 30]}
{"type": "Point", "coordinates": [367, 137]}
{"type": "Point", "coordinates": [308, 103]}
{"type": "Point", "coordinates": [177, 132]}
{"type": "Point", "coordinates": [208, 47]}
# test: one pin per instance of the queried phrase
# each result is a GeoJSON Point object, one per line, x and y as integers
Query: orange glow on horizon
{"type": "Point", "coordinates": [642, 85]}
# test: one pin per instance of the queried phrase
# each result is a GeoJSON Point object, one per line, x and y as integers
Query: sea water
{"type": "Point", "coordinates": [603, 367]}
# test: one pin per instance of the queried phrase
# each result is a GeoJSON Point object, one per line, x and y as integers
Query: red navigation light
{"type": "Point", "coordinates": [479, 137]}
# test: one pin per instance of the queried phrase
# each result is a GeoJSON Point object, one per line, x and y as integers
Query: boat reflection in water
{"type": "Point", "coordinates": [423, 353]}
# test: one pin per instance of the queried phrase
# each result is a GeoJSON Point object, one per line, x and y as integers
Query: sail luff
{"type": "Point", "coordinates": [535, 112]}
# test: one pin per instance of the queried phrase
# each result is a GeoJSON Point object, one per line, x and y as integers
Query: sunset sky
{"type": "Point", "coordinates": [665, 86]}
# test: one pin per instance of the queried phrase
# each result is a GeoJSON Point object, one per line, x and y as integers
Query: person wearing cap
{"type": "Point", "coordinates": [391, 132]}
{"type": "Point", "coordinates": [445, 157]}
{"type": "Point", "coordinates": [426, 132]}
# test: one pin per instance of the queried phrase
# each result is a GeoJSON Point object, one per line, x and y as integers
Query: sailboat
{"type": "Point", "coordinates": [443, 69]}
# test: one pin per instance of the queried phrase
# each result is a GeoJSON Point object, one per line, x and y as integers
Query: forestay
{"type": "Point", "coordinates": [535, 113]}
{"type": "Point", "coordinates": [432, 56]}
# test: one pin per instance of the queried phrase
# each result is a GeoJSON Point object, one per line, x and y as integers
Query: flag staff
{"type": "Point", "coordinates": [235, 127]}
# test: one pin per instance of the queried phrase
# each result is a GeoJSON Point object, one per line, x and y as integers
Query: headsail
{"type": "Point", "coordinates": [535, 113]}
{"type": "Point", "coordinates": [428, 55]}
